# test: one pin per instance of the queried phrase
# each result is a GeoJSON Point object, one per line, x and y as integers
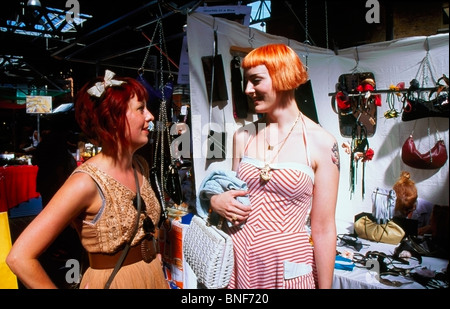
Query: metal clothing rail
{"type": "Point", "coordinates": [386, 91]}
{"type": "Point", "coordinates": [380, 193]}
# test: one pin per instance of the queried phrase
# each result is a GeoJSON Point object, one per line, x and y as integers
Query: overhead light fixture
{"type": "Point", "coordinates": [34, 3]}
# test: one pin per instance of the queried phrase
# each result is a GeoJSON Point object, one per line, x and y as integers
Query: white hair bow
{"type": "Point", "coordinates": [99, 87]}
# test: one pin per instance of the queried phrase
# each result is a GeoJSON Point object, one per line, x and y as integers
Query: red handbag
{"type": "Point", "coordinates": [433, 159]}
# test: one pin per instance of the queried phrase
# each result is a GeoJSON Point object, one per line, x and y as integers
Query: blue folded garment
{"type": "Point", "coordinates": [343, 263]}
{"type": "Point", "coordinates": [216, 182]}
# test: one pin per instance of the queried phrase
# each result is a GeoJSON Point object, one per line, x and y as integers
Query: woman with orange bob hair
{"type": "Point", "coordinates": [286, 237]}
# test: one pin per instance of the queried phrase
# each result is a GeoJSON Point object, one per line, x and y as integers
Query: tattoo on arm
{"type": "Point", "coordinates": [335, 156]}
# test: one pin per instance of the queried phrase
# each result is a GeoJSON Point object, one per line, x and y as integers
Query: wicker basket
{"type": "Point", "coordinates": [209, 252]}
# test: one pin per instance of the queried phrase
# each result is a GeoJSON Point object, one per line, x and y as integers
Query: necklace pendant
{"type": "Point", "coordinates": [269, 147]}
{"type": "Point", "coordinates": [265, 173]}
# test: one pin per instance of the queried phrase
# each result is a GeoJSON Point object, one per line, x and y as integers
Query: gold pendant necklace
{"type": "Point", "coordinates": [265, 171]}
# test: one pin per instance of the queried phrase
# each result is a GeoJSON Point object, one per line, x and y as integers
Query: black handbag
{"type": "Point", "coordinates": [304, 95]}
{"type": "Point", "coordinates": [156, 186]}
{"type": "Point", "coordinates": [216, 145]}
{"type": "Point", "coordinates": [240, 101]}
{"type": "Point", "coordinates": [215, 78]}
{"type": "Point", "coordinates": [416, 108]}
{"type": "Point", "coordinates": [166, 179]}
{"type": "Point", "coordinates": [215, 81]}
{"type": "Point", "coordinates": [173, 184]}
{"type": "Point", "coordinates": [416, 104]}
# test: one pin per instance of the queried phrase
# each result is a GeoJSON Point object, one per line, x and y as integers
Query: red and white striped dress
{"type": "Point", "coordinates": [275, 233]}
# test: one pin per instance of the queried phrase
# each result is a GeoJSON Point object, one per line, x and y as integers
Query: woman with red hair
{"type": "Point", "coordinates": [409, 205]}
{"type": "Point", "coordinates": [286, 238]}
{"type": "Point", "coordinates": [100, 198]}
{"type": "Point", "coordinates": [406, 195]}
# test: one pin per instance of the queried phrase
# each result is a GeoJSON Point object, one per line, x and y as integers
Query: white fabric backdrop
{"type": "Point", "coordinates": [391, 62]}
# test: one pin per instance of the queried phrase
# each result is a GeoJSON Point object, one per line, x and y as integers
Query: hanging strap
{"type": "Point", "coordinates": [162, 128]}
{"type": "Point", "coordinates": [127, 246]}
{"type": "Point", "coordinates": [425, 72]}
{"type": "Point", "coordinates": [437, 136]}
{"type": "Point", "coordinates": [360, 143]}
{"type": "Point", "coordinates": [213, 64]}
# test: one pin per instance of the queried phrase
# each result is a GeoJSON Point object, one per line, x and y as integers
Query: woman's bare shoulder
{"type": "Point", "coordinates": [319, 135]}
{"type": "Point", "coordinates": [85, 187]}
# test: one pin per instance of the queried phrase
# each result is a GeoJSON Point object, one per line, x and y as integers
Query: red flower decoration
{"type": "Point", "coordinates": [342, 101]}
{"type": "Point", "coordinates": [368, 87]}
{"type": "Point", "coordinates": [368, 155]}
{"type": "Point", "coordinates": [378, 100]}
{"type": "Point", "coordinates": [401, 85]}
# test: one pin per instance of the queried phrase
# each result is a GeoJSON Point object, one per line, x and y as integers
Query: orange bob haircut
{"type": "Point", "coordinates": [284, 65]}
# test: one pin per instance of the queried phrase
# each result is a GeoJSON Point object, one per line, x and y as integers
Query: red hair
{"type": "Point", "coordinates": [284, 65]}
{"type": "Point", "coordinates": [103, 120]}
{"type": "Point", "coordinates": [406, 192]}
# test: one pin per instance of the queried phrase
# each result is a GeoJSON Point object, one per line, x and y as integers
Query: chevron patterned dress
{"type": "Point", "coordinates": [272, 248]}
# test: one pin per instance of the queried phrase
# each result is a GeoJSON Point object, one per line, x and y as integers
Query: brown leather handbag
{"type": "Point", "coordinates": [433, 159]}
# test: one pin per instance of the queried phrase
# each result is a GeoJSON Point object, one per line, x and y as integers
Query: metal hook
{"type": "Point", "coordinates": [427, 45]}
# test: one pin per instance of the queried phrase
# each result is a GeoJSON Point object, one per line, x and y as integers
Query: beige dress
{"type": "Point", "coordinates": [111, 228]}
